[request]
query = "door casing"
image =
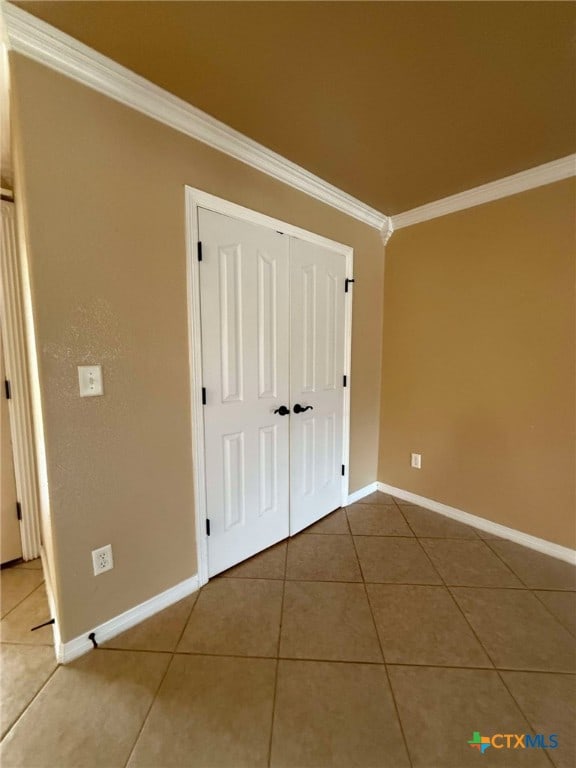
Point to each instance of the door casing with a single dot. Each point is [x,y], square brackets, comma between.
[195,199]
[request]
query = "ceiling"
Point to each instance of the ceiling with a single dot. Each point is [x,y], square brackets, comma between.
[396,103]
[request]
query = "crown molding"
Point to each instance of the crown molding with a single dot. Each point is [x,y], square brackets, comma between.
[509,185]
[55,49]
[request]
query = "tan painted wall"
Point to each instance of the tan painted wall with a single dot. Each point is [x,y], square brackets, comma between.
[479,361]
[104,190]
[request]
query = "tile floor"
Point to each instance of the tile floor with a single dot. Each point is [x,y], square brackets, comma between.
[384,635]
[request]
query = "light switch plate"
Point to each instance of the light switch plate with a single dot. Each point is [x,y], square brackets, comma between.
[416,460]
[90,380]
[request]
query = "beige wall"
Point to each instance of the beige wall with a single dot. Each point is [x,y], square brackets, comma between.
[104,192]
[479,361]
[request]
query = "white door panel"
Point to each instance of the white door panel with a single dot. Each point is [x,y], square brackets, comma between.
[316,375]
[245,353]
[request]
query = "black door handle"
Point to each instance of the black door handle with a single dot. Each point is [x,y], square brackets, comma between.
[300,408]
[283,411]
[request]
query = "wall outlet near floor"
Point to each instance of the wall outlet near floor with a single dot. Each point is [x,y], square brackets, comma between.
[102,559]
[416,460]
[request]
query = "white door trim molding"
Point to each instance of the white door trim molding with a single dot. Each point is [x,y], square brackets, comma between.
[66,652]
[539,176]
[525,539]
[194,199]
[49,46]
[12,319]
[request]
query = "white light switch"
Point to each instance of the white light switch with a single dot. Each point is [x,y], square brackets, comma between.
[90,380]
[416,461]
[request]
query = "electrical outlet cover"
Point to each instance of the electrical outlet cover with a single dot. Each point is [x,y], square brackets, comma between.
[102,559]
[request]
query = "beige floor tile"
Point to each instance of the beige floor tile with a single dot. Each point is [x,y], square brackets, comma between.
[31,565]
[158,633]
[516,629]
[424,522]
[469,563]
[335,522]
[441,708]
[236,617]
[88,714]
[339,715]
[322,558]
[15,585]
[562,605]
[377,520]
[24,670]
[549,703]
[536,570]
[269,564]
[328,621]
[378,497]
[33,610]
[394,560]
[210,711]
[423,625]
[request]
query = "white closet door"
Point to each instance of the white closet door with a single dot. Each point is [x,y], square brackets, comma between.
[244,279]
[316,375]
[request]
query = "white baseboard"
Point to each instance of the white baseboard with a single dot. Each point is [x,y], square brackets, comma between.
[532,542]
[66,652]
[361,493]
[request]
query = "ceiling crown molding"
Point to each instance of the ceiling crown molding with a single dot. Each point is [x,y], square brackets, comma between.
[510,185]
[55,49]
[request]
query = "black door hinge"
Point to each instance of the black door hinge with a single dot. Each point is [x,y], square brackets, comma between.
[199,251]
[343,470]
[207,526]
[344,381]
[8,389]
[19,510]
[347,283]
[203,395]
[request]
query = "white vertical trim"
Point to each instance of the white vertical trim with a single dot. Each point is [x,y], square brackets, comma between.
[194,199]
[348,299]
[525,539]
[195,358]
[15,352]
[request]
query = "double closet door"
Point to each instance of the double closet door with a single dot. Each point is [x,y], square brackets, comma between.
[273,355]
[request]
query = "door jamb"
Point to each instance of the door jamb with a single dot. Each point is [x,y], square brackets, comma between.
[195,199]
[14,332]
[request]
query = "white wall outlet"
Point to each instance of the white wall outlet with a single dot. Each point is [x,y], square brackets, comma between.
[90,380]
[102,559]
[416,460]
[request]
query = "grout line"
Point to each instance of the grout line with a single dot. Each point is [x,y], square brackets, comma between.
[379,639]
[32,700]
[277,659]
[147,715]
[533,590]
[488,655]
[322,660]
[35,589]
[534,730]
[185,626]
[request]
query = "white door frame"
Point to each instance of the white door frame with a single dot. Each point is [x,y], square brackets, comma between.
[194,199]
[13,295]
